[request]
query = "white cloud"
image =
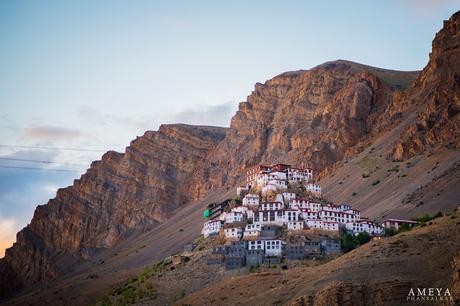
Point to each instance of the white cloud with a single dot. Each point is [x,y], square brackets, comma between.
[216,115]
[43,132]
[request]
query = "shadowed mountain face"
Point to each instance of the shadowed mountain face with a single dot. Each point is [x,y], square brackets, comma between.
[318,118]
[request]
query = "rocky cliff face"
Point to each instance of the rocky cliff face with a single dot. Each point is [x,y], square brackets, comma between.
[304,118]
[434,97]
[118,194]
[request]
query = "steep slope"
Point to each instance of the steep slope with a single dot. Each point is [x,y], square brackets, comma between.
[434,96]
[311,117]
[107,269]
[379,273]
[412,165]
[119,194]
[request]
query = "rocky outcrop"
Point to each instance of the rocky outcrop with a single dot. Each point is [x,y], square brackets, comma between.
[434,97]
[119,194]
[311,118]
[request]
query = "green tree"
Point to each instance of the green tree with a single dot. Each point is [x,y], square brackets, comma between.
[362,238]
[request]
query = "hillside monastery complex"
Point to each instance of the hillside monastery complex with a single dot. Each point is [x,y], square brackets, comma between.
[279,199]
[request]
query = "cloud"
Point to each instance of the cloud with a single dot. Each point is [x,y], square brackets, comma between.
[50,133]
[217,115]
[7,234]
[91,115]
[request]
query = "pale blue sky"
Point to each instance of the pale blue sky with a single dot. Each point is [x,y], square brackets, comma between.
[94,74]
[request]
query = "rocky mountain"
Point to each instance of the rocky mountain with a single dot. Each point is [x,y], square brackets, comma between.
[119,194]
[344,119]
[309,118]
[435,96]
[410,163]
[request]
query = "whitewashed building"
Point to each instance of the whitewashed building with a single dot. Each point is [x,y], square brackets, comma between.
[309,214]
[331,207]
[345,217]
[331,226]
[355,212]
[396,223]
[271,206]
[344,207]
[252,231]
[313,188]
[364,226]
[295,225]
[291,215]
[256,245]
[234,216]
[313,206]
[273,248]
[277,175]
[269,217]
[233,233]
[323,225]
[299,175]
[279,197]
[287,196]
[297,203]
[247,213]
[327,215]
[314,223]
[212,227]
[251,199]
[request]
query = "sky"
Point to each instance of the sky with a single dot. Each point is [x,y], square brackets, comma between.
[78,78]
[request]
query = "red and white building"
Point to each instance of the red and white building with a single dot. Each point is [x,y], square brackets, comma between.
[271,206]
[323,225]
[299,175]
[269,217]
[275,177]
[297,203]
[291,215]
[309,215]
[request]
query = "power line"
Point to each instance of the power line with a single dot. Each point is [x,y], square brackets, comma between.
[41,161]
[51,148]
[43,169]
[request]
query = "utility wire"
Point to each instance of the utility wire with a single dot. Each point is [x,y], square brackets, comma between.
[40,161]
[51,148]
[43,169]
